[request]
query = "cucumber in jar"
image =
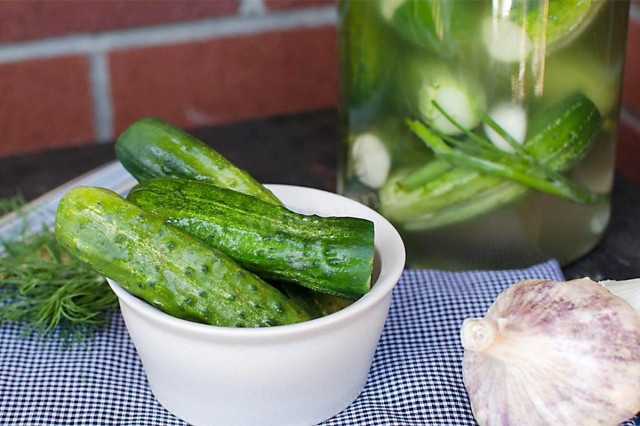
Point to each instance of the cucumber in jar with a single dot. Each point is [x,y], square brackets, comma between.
[365,55]
[445,27]
[556,22]
[558,138]
[541,26]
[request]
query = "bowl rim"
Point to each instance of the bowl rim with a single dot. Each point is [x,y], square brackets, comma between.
[391,268]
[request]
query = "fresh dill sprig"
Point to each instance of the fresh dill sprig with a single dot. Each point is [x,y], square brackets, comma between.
[45,290]
[481,155]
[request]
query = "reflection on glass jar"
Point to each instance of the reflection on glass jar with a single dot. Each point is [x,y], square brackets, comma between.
[484,130]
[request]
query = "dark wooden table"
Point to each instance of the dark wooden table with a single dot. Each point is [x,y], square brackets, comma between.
[301,150]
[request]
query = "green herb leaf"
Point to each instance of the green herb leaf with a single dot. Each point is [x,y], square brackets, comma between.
[46,291]
[527,174]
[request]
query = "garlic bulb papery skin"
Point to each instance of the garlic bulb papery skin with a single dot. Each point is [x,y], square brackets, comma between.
[553,353]
[629,290]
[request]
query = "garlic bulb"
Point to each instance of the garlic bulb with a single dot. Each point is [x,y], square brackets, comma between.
[553,353]
[629,290]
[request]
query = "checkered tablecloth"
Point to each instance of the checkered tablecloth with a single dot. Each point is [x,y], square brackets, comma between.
[415,379]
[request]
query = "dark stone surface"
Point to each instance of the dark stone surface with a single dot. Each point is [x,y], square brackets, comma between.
[298,149]
[617,256]
[301,150]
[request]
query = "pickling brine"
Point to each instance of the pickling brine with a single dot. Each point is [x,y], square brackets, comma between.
[484,130]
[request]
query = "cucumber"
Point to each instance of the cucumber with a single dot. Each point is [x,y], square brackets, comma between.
[563,133]
[165,266]
[447,28]
[331,255]
[316,304]
[557,23]
[364,54]
[559,137]
[152,148]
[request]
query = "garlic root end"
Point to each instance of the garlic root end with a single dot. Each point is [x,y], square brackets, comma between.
[478,334]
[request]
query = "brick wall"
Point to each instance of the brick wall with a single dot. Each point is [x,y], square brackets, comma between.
[76,71]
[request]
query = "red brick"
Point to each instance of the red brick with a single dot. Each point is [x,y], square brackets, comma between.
[631,83]
[289,4]
[23,20]
[226,79]
[628,153]
[46,103]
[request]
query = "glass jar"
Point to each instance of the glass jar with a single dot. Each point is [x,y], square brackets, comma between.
[484,130]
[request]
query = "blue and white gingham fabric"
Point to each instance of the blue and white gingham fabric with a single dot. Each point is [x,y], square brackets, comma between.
[415,379]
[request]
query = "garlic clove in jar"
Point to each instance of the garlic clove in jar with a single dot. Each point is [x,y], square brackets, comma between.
[553,353]
[371,160]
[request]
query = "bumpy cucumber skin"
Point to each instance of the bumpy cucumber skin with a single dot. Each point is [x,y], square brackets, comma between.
[562,135]
[165,266]
[316,304]
[330,255]
[152,148]
[574,120]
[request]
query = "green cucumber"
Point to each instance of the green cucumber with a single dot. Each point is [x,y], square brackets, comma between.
[553,24]
[165,266]
[316,304]
[559,137]
[331,255]
[446,27]
[558,22]
[364,54]
[563,133]
[152,148]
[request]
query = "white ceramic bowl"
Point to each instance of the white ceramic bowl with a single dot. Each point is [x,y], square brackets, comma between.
[299,374]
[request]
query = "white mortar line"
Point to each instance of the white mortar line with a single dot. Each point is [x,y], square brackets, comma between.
[168,34]
[101,96]
[628,118]
[634,12]
[252,7]
[253,19]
